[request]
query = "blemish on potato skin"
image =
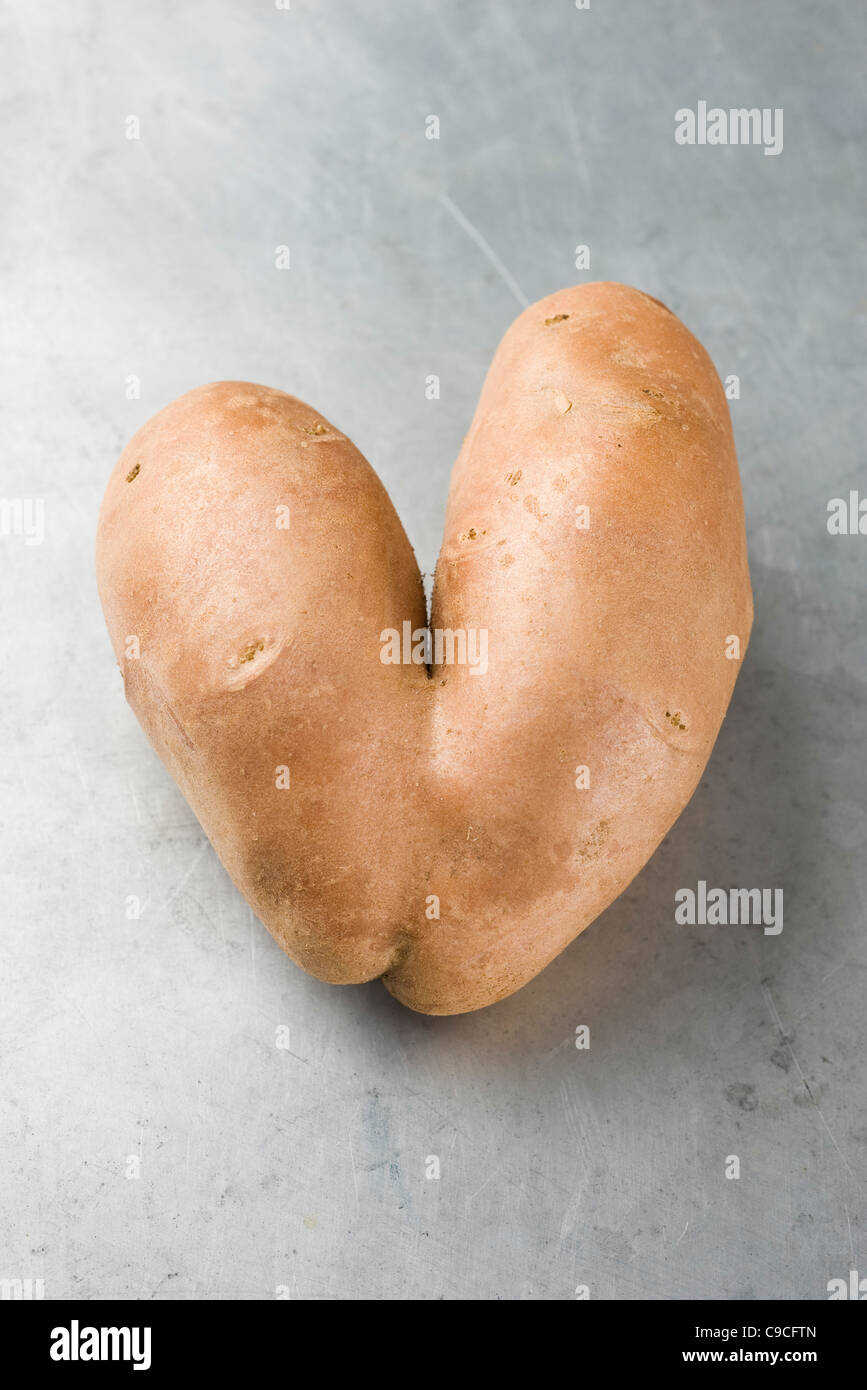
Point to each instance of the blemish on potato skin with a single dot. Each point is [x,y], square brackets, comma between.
[513,478]
[318,428]
[563,404]
[133,473]
[252,410]
[250,651]
[675,720]
[556,318]
[532,506]
[594,842]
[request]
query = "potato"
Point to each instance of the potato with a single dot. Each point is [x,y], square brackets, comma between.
[449,828]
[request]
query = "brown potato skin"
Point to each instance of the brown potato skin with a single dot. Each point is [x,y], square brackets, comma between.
[260,648]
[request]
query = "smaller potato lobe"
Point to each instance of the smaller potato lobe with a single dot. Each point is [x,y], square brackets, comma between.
[444,809]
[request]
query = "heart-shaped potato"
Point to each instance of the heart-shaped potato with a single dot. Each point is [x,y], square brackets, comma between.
[449,827]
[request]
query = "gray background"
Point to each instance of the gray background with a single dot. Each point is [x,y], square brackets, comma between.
[305,1168]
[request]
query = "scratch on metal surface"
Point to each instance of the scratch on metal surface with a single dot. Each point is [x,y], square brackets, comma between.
[475,235]
[131,790]
[170,899]
[473,1195]
[352,1161]
[784,1038]
[251,928]
[851,1243]
[570,1214]
[831,972]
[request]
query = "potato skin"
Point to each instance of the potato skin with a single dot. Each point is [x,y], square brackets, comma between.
[607,648]
[190,559]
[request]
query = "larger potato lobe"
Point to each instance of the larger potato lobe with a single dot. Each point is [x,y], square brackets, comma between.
[450,829]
